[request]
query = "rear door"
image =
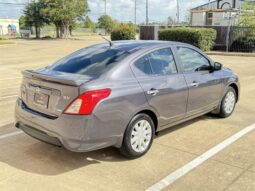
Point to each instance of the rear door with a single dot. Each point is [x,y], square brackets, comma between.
[165,88]
[204,85]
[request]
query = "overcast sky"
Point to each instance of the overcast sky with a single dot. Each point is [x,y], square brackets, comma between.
[122,10]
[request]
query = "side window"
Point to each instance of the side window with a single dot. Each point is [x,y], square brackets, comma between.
[159,62]
[162,62]
[192,60]
[143,64]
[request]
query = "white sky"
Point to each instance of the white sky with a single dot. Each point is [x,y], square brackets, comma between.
[122,10]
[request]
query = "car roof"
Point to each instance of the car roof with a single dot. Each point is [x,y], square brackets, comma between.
[135,45]
[142,42]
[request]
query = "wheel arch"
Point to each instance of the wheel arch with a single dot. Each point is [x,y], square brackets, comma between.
[236,88]
[152,115]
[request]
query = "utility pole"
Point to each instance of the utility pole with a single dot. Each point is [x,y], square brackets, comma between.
[178,12]
[105,4]
[147,13]
[135,13]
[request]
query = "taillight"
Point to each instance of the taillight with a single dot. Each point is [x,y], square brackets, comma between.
[85,103]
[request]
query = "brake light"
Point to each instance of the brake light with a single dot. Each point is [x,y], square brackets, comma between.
[86,102]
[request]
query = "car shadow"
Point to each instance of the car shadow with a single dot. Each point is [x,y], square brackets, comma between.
[44,159]
[208,116]
[27,154]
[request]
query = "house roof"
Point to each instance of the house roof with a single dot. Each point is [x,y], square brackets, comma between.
[213,10]
[225,4]
[206,5]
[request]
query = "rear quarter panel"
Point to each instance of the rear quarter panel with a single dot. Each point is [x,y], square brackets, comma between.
[112,115]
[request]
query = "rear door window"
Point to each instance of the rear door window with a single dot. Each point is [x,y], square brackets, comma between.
[159,62]
[143,65]
[162,62]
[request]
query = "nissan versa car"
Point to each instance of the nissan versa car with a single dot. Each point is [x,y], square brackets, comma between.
[120,94]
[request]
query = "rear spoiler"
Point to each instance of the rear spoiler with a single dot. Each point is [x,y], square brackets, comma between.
[57,77]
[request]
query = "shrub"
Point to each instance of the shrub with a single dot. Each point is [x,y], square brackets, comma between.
[123,32]
[203,38]
[244,44]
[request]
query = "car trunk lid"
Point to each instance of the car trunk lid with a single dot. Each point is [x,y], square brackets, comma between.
[50,92]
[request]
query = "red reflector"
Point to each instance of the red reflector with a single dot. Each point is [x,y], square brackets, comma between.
[85,103]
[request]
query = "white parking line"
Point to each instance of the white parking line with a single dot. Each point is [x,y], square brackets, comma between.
[10,78]
[5,97]
[199,160]
[10,134]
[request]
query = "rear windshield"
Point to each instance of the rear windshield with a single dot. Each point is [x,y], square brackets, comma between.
[90,61]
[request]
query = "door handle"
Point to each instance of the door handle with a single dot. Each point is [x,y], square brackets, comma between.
[194,84]
[153,92]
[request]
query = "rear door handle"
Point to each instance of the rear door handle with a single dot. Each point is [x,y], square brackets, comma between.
[153,92]
[194,84]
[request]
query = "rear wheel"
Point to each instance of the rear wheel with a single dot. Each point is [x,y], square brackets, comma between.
[228,103]
[138,136]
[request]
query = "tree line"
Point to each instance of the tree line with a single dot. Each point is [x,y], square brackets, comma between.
[62,13]
[65,15]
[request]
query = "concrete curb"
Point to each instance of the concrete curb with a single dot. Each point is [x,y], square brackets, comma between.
[231,54]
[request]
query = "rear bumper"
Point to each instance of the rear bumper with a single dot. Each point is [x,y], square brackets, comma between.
[75,133]
[37,134]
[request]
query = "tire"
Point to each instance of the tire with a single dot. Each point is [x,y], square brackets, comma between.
[138,136]
[229,98]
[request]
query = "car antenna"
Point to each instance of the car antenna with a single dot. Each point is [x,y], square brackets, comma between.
[109,41]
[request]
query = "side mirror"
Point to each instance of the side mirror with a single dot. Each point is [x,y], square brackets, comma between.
[217,66]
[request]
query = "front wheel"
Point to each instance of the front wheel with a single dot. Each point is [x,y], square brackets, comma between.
[228,103]
[138,136]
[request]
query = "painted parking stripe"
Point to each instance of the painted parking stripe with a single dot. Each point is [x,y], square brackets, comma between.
[10,134]
[199,160]
[5,97]
[10,78]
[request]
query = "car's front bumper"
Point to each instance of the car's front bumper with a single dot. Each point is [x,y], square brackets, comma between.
[75,133]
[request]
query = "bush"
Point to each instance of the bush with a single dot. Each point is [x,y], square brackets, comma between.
[123,32]
[203,38]
[244,44]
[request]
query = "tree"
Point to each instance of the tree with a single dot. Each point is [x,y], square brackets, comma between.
[22,21]
[34,16]
[107,23]
[170,21]
[64,13]
[88,23]
[247,17]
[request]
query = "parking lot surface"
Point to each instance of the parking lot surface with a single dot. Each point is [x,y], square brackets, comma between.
[27,164]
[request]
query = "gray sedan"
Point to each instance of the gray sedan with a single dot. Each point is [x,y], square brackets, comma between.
[120,94]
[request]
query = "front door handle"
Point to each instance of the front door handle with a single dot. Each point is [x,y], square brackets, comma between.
[153,92]
[194,84]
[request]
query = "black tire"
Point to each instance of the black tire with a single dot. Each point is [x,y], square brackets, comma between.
[126,148]
[223,113]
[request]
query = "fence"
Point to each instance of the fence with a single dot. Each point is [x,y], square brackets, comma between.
[227,37]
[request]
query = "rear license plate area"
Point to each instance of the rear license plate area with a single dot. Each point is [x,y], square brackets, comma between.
[41,99]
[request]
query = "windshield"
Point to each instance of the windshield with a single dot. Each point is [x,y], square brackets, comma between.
[90,61]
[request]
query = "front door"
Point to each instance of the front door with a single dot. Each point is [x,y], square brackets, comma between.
[165,88]
[204,85]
